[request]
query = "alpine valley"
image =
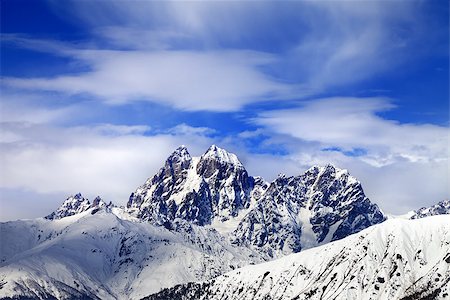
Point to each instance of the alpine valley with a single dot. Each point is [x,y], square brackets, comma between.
[203,228]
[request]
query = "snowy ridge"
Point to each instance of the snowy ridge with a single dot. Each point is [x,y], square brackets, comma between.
[441,208]
[398,259]
[108,256]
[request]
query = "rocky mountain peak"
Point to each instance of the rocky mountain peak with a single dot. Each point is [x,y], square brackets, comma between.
[328,174]
[76,204]
[71,206]
[323,204]
[181,153]
[99,203]
[441,208]
[179,160]
[327,169]
[222,156]
[215,185]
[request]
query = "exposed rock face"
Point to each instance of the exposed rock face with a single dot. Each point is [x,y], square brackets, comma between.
[441,208]
[294,213]
[285,216]
[215,185]
[71,206]
[227,180]
[99,203]
[77,204]
[154,200]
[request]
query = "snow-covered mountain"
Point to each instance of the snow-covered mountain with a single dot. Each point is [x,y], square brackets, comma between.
[197,218]
[398,259]
[441,208]
[278,218]
[107,254]
[197,189]
[295,213]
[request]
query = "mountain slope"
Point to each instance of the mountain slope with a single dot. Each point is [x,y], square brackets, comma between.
[398,259]
[108,255]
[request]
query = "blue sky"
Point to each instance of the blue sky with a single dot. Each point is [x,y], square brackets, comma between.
[101,92]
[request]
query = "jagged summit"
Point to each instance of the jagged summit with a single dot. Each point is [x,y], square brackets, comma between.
[221,155]
[197,189]
[287,215]
[98,202]
[329,171]
[181,154]
[76,204]
[327,168]
[292,213]
[71,206]
[441,208]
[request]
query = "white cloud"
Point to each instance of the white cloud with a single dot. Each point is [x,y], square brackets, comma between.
[190,56]
[25,107]
[188,80]
[196,56]
[350,123]
[106,160]
[403,167]
[184,129]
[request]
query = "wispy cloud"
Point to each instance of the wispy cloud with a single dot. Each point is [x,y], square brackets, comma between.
[401,166]
[185,129]
[352,123]
[355,41]
[106,159]
[210,56]
[187,80]
[23,107]
[221,56]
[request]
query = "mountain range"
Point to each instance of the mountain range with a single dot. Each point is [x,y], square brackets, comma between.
[274,218]
[201,217]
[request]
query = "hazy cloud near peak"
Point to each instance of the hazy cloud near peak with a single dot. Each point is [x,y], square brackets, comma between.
[51,163]
[106,160]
